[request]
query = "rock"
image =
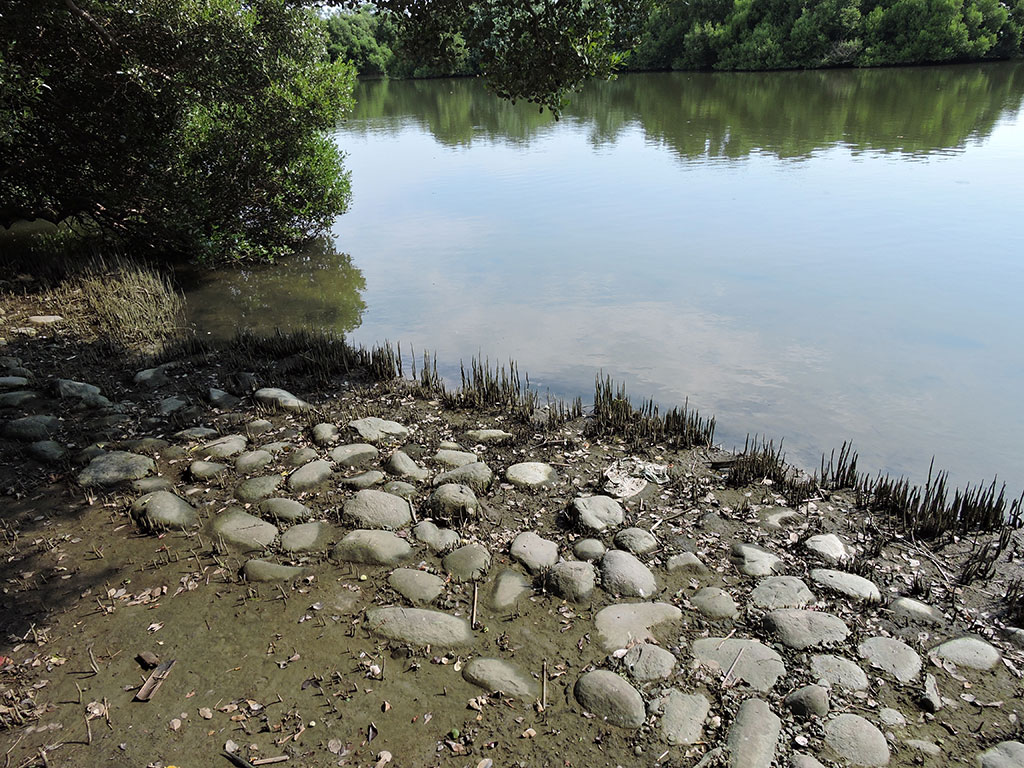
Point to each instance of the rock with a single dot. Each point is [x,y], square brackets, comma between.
[416,586]
[927,748]
[468,563]
[780,519]
[1005,754]
[829,547]
[149,484]
[402,466]
[437,539]
[892,656]
[288,510]
[477,476]
[682,717]
[848,584]
[971,652]
[171,405]
[688,564]
[489,436]
[32,429]
[453,502]
[931,697]
[256,488]
[76,389]
[800,629]
[611,698]
[620,624]
[376,509]
[753,560]
[495,675]
[917,611]
[374,430]
[224,447]
[45,319]
[48,451]
[856,741]
[809,701]
[253,461]
[280,398]
[325,434]
[363,481]
[636,540]
[399,488]
[196,433]
[839,672]
[646,662]
[622,574]
[306,537]
[804,761]
[206,470]
[753,736]
[152,377]
[750,661]
[18,398]
[218,398]
[261,570]
[372,548]
[13,382]
[354,455]
[589,550]
[573,580]
[257,427]
[777,592]
[238,527]
[715,603]
[536,553]
[454,459]
[597,513]
[161,510]
[115,467]
[419,626]
[302,456]
[891,718]
[509,588]
[531,475]
[310,475]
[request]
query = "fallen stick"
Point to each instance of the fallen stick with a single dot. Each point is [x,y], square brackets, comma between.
[152,685]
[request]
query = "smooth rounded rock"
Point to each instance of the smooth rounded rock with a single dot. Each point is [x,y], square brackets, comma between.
[477,476]
[971,652]
[206,470]
[453,502]
[537,554]
[438,539]
[916,611]
[646,661]
[624,623]
[31,429]
[252,461]
[589,550]
[416,586]
[399,488]
[531,475]
[573,580]
[753,736]
[509,588]
[800,629]
[715,603]
[275,397]
[809,701]
[162,510]
[891,655]
[238,527]
[376,430]
[48,451]
[753,560]
[682,717]
[401,465]
[376,509]
[307,537]
[496,675]
[1005,754]
[262,570]
[310,475]
[468,563]
[636,540]
[829,547]
[419,626]
[288,510]
[856,742]
[839,672]
[372,548]
[224,447]
[849,584]
[688,564]
[454,459]
[363,481]
[597,513]
[611,698]
[325,434]
[489,436]
[749,661]
[622,574]
[777,592]
[354,455]
[301,457]
[256,488]
[115,467]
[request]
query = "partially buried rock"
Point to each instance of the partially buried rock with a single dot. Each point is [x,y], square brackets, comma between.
[453,502]
[477,476]
[31,429]
[253,461]
[399,488]
[682,717]
[224,447]
[753,560]
[454,459]
[256,488]
[284,509]
[375,430]
[597,513]
[1005,754]
[280,398]
[646,662]
[206,470]
[589,550]
[856,741]
[636,540]
[573,580]
[800,629]
[306,537]
[238,527]
[376,509]
[162,510]
[401,465]
[372,548]
[419,626]
[849,584]
[624,623]
[489,436]
[623,574]
[611,698]
[416,586]
[363,480]
[509,588]
[777,592]
[310,475]
[892,656]
[261,570]
[839,672]
[325,434]
[715,603]
[355,455]
[971,652]
[687,564]
[809,701]
[753,736]
[468,563]
[916,611]
[495,675]
[437,539]
[48,451]
[115,467]
[749,661]
[531,474]
[830,547]
[536,553]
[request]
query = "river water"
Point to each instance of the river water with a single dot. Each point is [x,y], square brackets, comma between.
[815,256]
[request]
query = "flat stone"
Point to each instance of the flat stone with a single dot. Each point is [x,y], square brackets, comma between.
[597,513]
[809,701]
[750,661]
[931,698]
[262,570]
[13,382]
[804,761]
[589,550]
[856,742]
[839,672]
[257,427]
[509,588]
[688,564]
[682,717]
[363,481]
[253,461]
[76,389]
[325,434]
[170,405]
[477,476]
[45,319]
[375,430]
[891,655]
[236,526]
[18,398]
[372,548]
[401,465]
[915,610]
[453,502]
[753,736]
[779,519]
[536,553]
[302,456]
[454,459]
[196,433]
[573,580]
[971,652]
[926,748]
[715,603]
[620,624]
[161,510]
[1005,754]
[849,584]
[354,455]
[531,474]
[376,509]
[419,626]
[416,586]
[280,398]
[753,560]
[152,377]
[636,540]
[611,698]
[256,488]
[48,451]
[288,510]
[468,563]
[32,429]
[777,592]
[800,629]
[310,475]
[622,574]
[829,547]
[206,470]
[218,398]
[645,662]
[149,484]
[891,718]
[489,436]
[307,537]
[496,675]
[399,488]
[115,467]
[224,447]
[437,539]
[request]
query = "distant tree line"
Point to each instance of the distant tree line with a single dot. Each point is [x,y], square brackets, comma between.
[748,35]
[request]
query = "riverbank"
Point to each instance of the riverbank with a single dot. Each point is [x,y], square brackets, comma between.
[272,514]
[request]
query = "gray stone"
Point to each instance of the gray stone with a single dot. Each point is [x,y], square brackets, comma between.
[32,429]
[931,697]
[800,629]
[401,465]
[489,436]
[171,405]
[856,742]
[257,427]
[753,560]
[892,656]
[891,718]
[531,474]
[115,467]
[307,537]
[325,434]
[454,459]
[363,480]
[161,510]
[750,661]
[218,398]
[839,672]
[274,397]
[355,455]
[238,527]
[256,488]
[288,510]
[13,382]
[7,361]
[375,430]
[453,502]
[196,433]
[310,475]
[152,377]
[1005,754]
[48,451]
[509,588]
[477,476]
[829,547]
[253,461]
[75,389]
[45,319]
[715,603]
[302,456]
[636,540]
[261,570]
[376,509]
[688,564]
[150,484]
[495,675]
[646,662]
[753,736]
[622,574]
[611,698]
[589,549]
[573,580]
[224,447]
[597,513]
[917,611]
[849,584]
[372,548]
[623,623]
[927,748]
[809,701]
[682,717]
[536,553]
[971,652]
[206,470]
[416,586]
[777,592]
[437,539]
[804,761]
[779,519]
[399,488]
[419,626]
[18,398]
[468,563]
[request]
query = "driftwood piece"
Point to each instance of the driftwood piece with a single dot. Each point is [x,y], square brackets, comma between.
[156,679]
